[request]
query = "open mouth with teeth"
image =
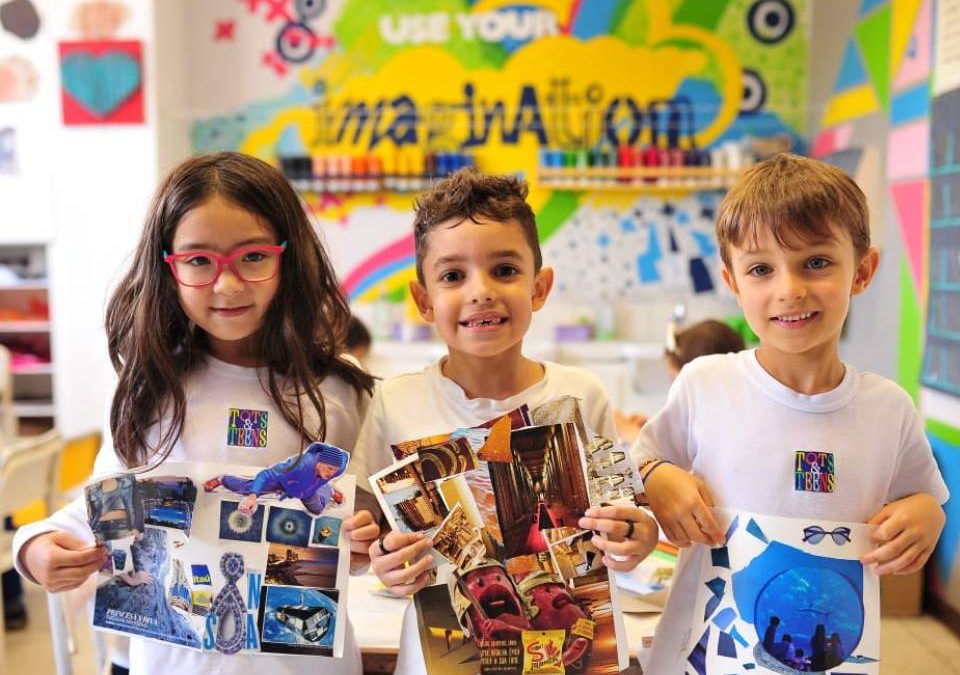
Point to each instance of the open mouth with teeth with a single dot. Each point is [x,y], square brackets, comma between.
[484,322]
[496,600]
[795,319]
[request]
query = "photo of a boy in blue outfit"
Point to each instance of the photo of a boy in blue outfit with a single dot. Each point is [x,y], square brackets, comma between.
[306,477]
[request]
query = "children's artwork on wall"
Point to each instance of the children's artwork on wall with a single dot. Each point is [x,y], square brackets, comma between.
[98,19]
[339,86]
[20,18]
[786,595]
[101,82]
[18,79]
[192,567]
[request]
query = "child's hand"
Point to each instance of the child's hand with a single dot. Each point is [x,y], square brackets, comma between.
[681,502]
[617,522]
[363,529]
[58,561]
[406,565]
[907,531]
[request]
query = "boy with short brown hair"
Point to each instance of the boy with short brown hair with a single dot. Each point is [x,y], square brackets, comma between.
[479,280]
[795,243]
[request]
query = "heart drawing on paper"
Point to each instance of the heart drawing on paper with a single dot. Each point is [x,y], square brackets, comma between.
[100,83]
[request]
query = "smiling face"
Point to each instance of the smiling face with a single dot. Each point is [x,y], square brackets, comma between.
[230,311]
[796,297]
[480,287]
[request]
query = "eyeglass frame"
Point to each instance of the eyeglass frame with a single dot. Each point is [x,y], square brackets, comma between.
[224,260]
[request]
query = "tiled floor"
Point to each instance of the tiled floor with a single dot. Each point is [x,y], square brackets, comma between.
[910,646]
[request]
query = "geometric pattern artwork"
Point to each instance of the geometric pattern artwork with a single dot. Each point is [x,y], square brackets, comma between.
[910,205]
[914,65]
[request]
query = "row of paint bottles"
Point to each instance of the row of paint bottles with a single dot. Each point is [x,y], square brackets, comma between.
[409,169]
[725,158]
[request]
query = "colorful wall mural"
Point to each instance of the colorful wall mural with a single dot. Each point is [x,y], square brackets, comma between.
[498,83]
[886,73]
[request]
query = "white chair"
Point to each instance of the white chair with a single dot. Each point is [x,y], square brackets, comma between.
[75,467]
[28,472]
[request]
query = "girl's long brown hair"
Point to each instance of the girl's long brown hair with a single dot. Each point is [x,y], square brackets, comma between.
[153,345]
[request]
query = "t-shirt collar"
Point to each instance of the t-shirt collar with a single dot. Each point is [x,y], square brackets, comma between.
[825,402]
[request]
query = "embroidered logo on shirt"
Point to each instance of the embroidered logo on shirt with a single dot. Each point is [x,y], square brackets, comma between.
[247,428]
[815,471]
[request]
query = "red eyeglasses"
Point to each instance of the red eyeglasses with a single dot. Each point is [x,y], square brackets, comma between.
[202,268]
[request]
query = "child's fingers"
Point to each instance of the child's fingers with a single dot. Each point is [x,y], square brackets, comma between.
[675,534]
[364,535]
[692,530]
[888,551]
[357,520]
[413,587]
[707,525]
[628,547]
[901,563]
[404,576]
[880,516]
[397,558]
[917,563]
[393,543]
[888,530]
[68,578]
[89,556]
[624,564]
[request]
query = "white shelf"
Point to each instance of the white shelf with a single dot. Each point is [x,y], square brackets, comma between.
[33,408]
[26,285]
[24,326]
[39,369]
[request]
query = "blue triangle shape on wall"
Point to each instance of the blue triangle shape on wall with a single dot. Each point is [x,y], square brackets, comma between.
[869,5]
[852,72]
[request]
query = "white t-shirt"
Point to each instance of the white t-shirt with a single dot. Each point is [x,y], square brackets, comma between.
[212,393]
[427,403]
[738,428]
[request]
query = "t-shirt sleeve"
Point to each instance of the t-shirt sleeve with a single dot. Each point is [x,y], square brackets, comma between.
[666,435]
[72,518]
[371,452]
[917,470]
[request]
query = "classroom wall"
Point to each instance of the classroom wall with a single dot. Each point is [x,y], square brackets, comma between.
[83,189]
[536,64]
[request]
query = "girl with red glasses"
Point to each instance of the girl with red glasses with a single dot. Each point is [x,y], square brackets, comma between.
[225,335]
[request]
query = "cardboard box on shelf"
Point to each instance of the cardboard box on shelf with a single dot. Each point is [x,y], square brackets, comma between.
[901,595]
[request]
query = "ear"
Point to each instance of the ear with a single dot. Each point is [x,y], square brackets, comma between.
[422,300]
[730,282]
[541,287]
[865,271]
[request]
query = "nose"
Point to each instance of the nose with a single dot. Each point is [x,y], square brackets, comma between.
[791,287]
[228,283]
[481,290]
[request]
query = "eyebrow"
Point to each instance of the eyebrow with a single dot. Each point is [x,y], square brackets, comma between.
[506,254]
[203,246]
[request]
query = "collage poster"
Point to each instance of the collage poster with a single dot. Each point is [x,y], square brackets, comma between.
[787,596]
[522,588]
[227,558]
